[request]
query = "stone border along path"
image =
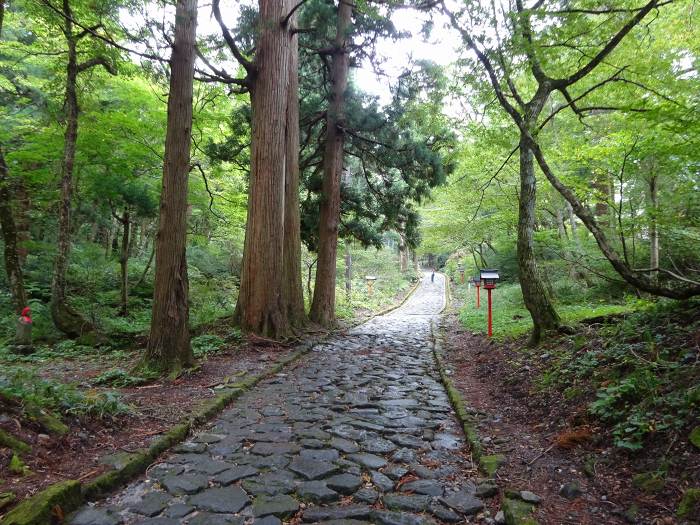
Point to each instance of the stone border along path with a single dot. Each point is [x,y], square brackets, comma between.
[359,431]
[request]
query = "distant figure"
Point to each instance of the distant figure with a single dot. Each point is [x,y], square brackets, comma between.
[432,276]
[23,336]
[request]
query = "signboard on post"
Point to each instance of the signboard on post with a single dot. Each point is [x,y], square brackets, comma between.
[369,279]
[489,277]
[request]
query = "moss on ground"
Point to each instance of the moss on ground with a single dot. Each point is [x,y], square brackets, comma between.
[517,512]
[689,507]
[11,442]
[490,464]
[458,404]
[6,498]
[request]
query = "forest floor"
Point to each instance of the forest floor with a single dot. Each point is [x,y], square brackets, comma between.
[154,408]
[550,440]
[150,407]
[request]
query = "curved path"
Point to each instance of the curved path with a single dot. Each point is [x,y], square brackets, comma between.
[360,431]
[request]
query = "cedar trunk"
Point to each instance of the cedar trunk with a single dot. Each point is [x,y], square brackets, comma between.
[403,254]
[654,228]
[124,263]
[260,307]
[169,347]
[9,236]
[544,316]
[64,317]
[292,290]
[348,268]
[323,305]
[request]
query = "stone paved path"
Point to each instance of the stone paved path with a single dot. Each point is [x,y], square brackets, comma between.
[360,431]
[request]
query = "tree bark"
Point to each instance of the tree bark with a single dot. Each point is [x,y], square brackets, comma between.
[403,254]
[260,307]
[169,348]
[292,289]
[13,268]
[64,317]
[544,316]
[22,220]
[323,305]
[654,227]
[348,268]
[133,237]
[124,263]
[561,228]
[109,231]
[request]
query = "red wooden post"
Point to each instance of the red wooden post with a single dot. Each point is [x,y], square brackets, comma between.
[478,295]
[488,289]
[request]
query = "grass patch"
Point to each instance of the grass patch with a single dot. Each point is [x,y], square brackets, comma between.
[640,374]
[511,318]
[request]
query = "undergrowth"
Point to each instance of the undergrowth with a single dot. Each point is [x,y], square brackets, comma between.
[27,386]
[510,317]
[639,374]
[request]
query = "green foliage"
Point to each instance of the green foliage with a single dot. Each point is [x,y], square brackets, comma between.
[27,385]
[643,382]
[120,378]
[511,318]
[205,345]
[390,283]
[17,466]
[690,504]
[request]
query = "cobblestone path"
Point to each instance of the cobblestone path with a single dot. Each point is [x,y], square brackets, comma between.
[360,431]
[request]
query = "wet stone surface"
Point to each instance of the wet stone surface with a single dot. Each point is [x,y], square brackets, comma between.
[360,431]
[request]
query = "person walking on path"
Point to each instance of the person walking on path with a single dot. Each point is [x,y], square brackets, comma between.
[432,276]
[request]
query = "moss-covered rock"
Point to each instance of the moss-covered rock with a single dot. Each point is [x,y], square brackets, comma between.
[517,512]
[11,442]
[45,419]
[490,464]
[46,506]
[689,507]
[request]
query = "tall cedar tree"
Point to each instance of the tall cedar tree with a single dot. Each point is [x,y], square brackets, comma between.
[270,300]
[169,348]
[323,305]
[292,291]
[375,163]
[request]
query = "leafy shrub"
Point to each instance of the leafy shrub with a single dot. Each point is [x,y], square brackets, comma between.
[640,370]
[119,378]
[64,398]
[207,344]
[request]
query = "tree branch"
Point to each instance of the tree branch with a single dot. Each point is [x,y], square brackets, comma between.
[247,64]
[97,61]
[610,46]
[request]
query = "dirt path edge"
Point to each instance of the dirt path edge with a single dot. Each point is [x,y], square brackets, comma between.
[514,511]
